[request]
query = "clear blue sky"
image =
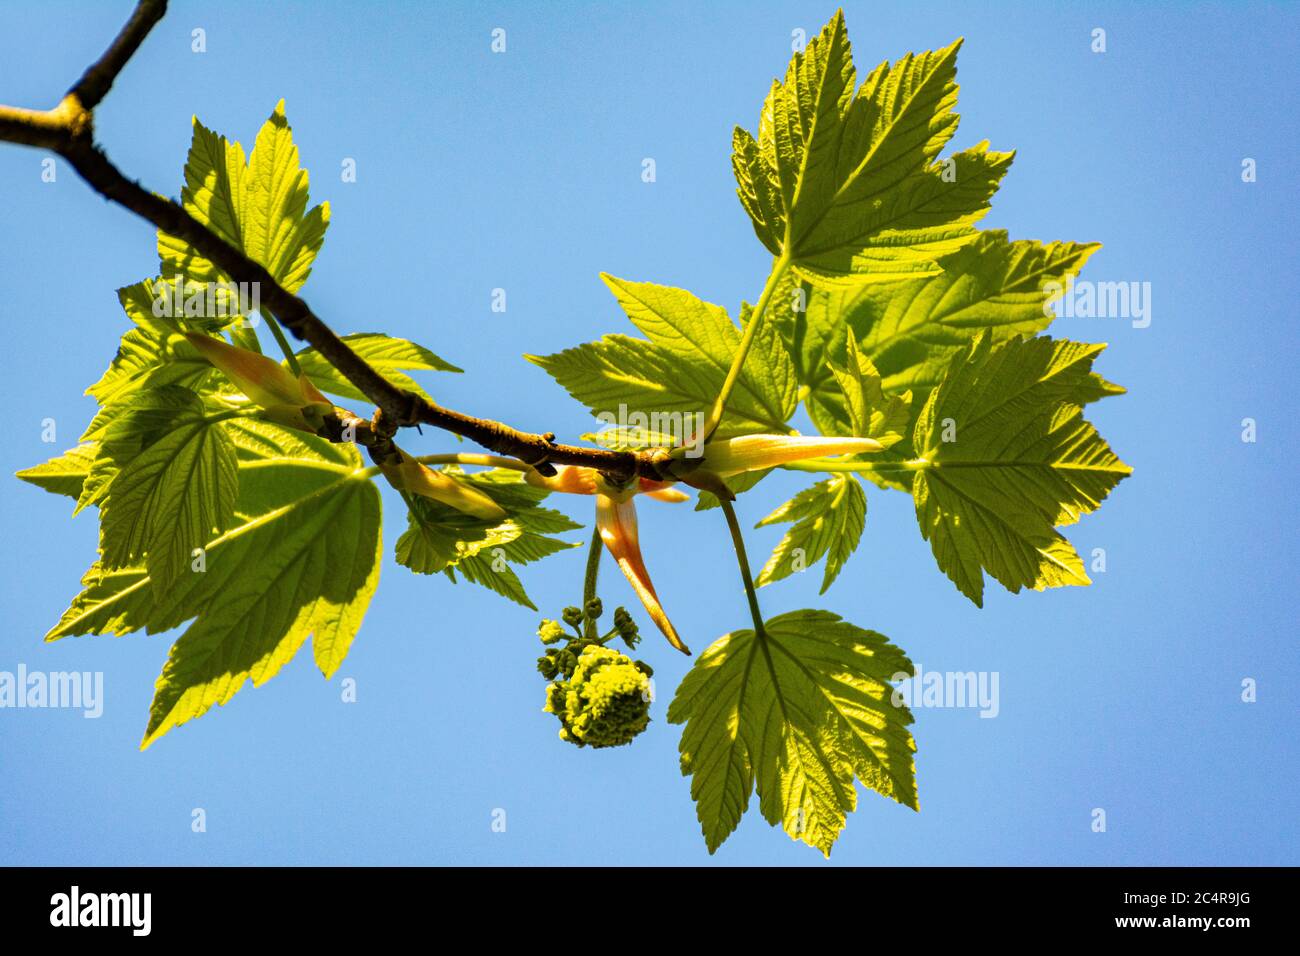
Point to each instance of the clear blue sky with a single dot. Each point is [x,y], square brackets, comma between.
[522,171]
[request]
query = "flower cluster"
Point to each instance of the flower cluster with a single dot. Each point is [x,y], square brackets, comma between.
[600,695]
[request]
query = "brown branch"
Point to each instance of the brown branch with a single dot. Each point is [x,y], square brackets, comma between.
[44,129]
[343,426]
[98,79]
[68,130]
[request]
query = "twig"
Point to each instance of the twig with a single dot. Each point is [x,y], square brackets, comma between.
[98,79]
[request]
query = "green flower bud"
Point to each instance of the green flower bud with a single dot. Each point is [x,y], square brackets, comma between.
[594,609]
[567,661]
[604,703]
[554,698]
[550,632]
[572,616]
[547,667]
[626,627]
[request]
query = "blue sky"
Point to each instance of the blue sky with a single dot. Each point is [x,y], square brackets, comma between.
[522,171]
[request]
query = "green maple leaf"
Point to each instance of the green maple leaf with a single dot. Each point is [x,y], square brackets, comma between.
[858,405]
[1005,456]
[65,474]
[258,206]
[172,298]
[302,561]
[828,521]
[172,496]
[490,567]
[911,329]
[440,538]
[260,444]
[147,359]
[796,713]
[389,356]
[625,437]
[151,356]
[128,427]
[213,193]
[844,183]
[679,368]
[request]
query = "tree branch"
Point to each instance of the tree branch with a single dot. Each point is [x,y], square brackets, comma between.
[98,79]
[68,130]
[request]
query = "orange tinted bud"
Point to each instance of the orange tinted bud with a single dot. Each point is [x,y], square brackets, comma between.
[287,400]
[569,479]
[264,380]
[661,490]
[418,479]
[580,480]
[616,522]
[752,452]
[311,392]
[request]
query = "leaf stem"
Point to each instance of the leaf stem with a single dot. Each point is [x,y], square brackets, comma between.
[738,542]
[594,553]
[281,341]
[751,329]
